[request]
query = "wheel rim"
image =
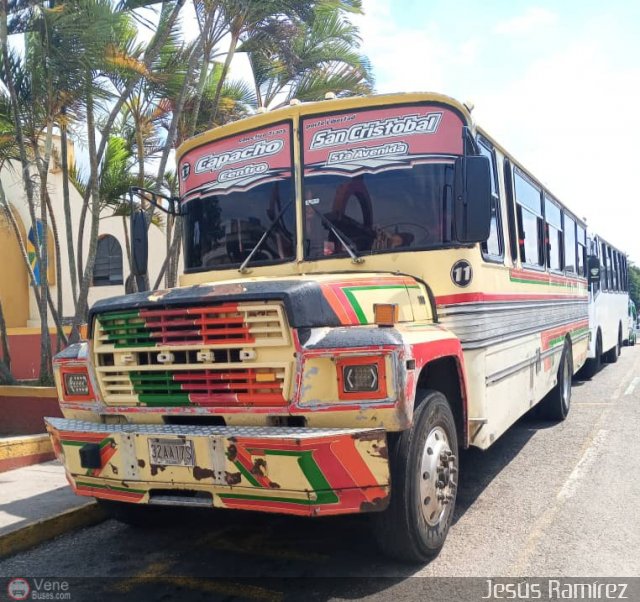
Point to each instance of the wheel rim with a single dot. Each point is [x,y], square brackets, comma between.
[438,476]
[566,385]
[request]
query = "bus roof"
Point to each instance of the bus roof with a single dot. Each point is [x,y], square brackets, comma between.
[322,106]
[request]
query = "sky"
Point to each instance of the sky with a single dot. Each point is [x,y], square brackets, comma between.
[555,82]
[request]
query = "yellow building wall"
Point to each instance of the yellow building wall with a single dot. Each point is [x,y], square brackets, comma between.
[14,284]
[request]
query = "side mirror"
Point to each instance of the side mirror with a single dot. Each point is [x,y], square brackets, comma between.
[139,243]
[472,199]
[593,269]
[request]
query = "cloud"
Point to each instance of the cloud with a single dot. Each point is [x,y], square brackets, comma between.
[561,104]
[411,58]
[532,20]
[564,117]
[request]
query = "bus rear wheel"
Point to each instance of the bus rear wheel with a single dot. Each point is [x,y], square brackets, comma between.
[424,481]
[593,365]
[611,357]
[555,406]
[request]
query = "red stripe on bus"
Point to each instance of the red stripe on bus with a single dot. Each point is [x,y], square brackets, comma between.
[483,297]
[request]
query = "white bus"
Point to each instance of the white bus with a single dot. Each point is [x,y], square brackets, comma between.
[608,305]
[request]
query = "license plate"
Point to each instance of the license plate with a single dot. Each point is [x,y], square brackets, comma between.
[171,452]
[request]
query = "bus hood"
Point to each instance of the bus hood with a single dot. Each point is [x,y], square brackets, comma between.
[310,301]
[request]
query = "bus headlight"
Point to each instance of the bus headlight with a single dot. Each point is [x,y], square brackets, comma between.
[361,377]
[357,379]
[76,384]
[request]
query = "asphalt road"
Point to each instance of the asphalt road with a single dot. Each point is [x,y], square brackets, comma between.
[546,500]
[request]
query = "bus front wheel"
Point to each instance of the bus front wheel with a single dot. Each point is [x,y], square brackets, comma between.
[424,481]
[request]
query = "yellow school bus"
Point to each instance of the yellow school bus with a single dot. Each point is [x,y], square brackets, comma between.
[370,284]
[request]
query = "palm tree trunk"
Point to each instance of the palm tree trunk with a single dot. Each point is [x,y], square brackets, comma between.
[67,212]
[46,374]
[61,339]
[204,70]
[141,156]
[235,36]
[5,362]
[174,257]
[87,277]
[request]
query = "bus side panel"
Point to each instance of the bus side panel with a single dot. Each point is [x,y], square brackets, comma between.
[517,377]
[606,312]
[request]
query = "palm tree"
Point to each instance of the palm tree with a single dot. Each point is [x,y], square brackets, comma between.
[305,60]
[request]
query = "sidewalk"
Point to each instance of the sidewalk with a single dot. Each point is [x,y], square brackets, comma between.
[37,504]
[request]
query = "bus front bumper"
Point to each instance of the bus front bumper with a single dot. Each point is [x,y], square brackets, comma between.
[287,470]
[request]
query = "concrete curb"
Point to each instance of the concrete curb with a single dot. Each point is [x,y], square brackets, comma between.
[25,450]
[35,533]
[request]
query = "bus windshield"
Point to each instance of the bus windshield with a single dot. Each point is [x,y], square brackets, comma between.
[234,190]
[221,230]
[394,210]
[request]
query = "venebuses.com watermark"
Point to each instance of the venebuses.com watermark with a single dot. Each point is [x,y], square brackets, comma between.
[38,589]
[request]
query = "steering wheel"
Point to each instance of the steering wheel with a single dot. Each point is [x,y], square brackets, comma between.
[428,235]
[360,232]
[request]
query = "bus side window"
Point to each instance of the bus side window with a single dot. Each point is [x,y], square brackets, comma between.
[605,271]
[511,218]
[594,249]
[553,234]
[569,244]
[493,248]
[582,251]
[610,271]
[530,222]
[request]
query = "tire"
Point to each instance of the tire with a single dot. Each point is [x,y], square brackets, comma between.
[424,480]
[556,404]
[136,515]
[592,365]
[611,357]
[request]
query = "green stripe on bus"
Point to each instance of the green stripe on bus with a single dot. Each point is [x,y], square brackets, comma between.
[110,487]
[164,400]
[124,315]
[312,472]
[349,293]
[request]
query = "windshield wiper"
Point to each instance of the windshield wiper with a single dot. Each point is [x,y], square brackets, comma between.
[243,267]
[341,236]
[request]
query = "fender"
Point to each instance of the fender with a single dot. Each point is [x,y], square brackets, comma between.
[430,351]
